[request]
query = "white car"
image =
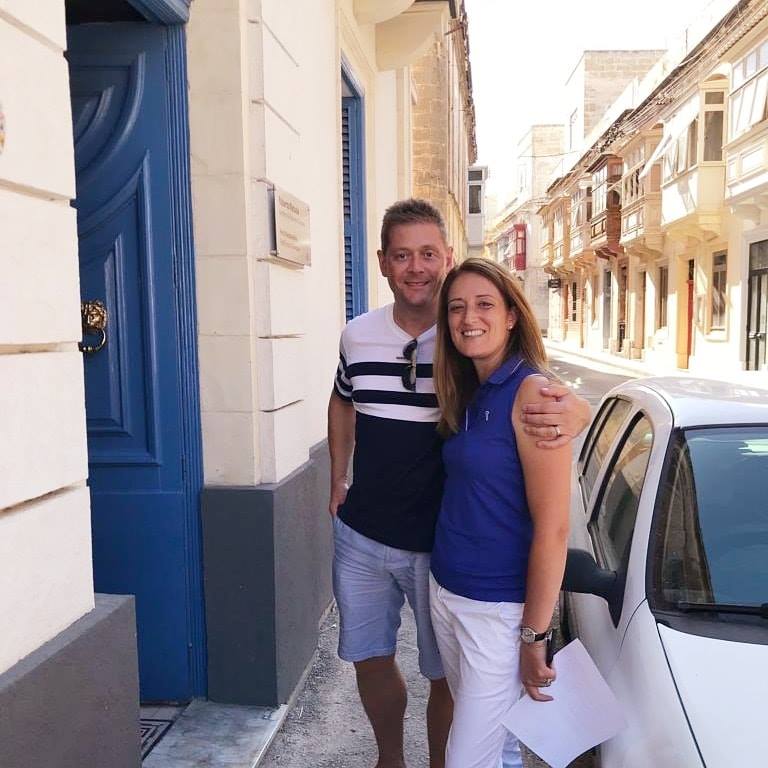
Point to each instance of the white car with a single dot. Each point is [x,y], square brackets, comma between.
[667,576]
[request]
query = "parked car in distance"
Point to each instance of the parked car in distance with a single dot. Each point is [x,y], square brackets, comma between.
[667,573]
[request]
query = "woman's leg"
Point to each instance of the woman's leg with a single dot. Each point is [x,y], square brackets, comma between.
[486,638]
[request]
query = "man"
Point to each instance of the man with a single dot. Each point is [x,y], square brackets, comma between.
[383,405]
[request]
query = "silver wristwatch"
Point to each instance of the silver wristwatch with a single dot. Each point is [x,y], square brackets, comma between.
[528,635]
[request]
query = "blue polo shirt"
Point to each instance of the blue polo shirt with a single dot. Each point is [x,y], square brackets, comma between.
[484,528]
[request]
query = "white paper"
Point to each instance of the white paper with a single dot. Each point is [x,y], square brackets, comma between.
[584,712]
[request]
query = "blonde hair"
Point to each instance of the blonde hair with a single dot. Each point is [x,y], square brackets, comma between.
[455,376]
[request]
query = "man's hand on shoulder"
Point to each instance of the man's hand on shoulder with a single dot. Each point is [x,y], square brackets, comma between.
[557,418]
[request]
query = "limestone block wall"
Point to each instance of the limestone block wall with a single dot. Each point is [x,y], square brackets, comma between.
[45,543]
[441,154]
[265,103]
[606,74]
[430,133]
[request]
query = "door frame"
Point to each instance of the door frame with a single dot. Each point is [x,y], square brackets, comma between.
[358,180]
[173,14]
[163,11]
[748,238]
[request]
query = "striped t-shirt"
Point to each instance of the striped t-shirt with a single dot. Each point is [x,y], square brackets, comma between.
[397,466]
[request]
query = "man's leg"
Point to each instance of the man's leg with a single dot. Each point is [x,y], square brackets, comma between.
[439,716]
[382,691]
[369,602]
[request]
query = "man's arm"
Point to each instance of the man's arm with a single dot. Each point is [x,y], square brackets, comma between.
[556,422]
[341,441]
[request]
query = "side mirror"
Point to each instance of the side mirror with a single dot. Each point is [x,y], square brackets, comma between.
[582,574]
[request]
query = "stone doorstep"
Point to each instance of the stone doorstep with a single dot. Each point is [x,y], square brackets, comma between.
[217,736]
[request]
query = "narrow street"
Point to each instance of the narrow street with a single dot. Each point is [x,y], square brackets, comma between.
[327,727]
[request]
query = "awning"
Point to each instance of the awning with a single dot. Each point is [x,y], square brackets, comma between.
[674,127]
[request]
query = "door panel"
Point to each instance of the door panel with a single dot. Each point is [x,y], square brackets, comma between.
[757,307]
[119,83]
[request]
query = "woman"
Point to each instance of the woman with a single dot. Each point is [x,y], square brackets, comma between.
[501,539]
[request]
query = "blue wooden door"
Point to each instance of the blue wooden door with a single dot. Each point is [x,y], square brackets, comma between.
[119,83]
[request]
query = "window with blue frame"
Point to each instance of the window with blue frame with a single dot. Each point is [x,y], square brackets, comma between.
[353,178]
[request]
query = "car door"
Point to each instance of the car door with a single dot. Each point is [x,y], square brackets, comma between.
[614,499]
[594,453]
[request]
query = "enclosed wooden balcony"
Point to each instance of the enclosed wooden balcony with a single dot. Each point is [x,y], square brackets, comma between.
[746,178]
[641,233]
[605,225]
[693,169]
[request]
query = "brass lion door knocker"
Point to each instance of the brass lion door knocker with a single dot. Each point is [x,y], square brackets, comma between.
[94,319]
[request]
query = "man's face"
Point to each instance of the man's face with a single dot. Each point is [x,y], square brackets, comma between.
[416,263]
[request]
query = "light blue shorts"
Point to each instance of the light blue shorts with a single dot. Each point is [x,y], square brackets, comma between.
[370,583]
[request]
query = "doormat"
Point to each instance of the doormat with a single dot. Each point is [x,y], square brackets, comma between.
[152,730]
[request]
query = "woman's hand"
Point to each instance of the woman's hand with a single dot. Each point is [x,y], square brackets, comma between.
[558,419]
[534,671]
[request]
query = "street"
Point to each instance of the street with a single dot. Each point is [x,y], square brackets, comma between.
[327,727]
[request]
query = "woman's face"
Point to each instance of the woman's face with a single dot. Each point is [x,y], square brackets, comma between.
[479,321]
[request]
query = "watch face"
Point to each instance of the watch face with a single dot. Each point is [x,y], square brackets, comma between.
[527,635]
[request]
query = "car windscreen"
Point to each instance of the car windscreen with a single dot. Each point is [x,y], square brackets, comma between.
[712,541]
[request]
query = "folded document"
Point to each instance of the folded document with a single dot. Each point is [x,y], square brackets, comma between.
[584,712]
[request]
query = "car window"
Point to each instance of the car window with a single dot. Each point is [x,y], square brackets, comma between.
[614,520]
[714,534]
[603,438]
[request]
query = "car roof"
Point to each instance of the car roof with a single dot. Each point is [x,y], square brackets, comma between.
[699,402]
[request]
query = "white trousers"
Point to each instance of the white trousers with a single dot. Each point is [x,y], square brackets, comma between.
[480,649]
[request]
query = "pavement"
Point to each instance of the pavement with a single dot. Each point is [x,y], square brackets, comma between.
[324,726]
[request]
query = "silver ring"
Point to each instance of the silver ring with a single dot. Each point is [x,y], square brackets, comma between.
[557,430]
[546,683]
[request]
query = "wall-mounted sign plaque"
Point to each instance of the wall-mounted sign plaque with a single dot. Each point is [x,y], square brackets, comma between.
[291,236]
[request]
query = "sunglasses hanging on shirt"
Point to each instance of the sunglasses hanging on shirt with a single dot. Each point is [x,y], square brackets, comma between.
[409,372]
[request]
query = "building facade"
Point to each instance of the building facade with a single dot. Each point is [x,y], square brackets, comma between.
[513,238]
[169,343]
[675,219]
[444,148]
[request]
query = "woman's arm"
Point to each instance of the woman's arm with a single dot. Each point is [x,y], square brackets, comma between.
[547,476]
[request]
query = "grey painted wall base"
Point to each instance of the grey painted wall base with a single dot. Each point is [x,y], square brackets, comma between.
[74,702]
[267,570]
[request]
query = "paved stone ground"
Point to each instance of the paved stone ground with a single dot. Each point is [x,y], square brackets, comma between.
[327,727]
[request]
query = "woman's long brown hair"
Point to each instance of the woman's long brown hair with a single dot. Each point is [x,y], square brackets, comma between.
[454,374]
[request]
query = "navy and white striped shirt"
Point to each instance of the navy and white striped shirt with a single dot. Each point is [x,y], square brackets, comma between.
[397,466]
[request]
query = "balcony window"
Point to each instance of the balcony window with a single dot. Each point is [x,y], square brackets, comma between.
[632,184]
[749,89]
[474,198]
[713,136]
[681,154]
[558,225]
[581,208]
[662,297]
[719,265]
[599,191]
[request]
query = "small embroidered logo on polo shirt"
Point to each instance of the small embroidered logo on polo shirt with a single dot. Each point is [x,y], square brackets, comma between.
[487,414]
